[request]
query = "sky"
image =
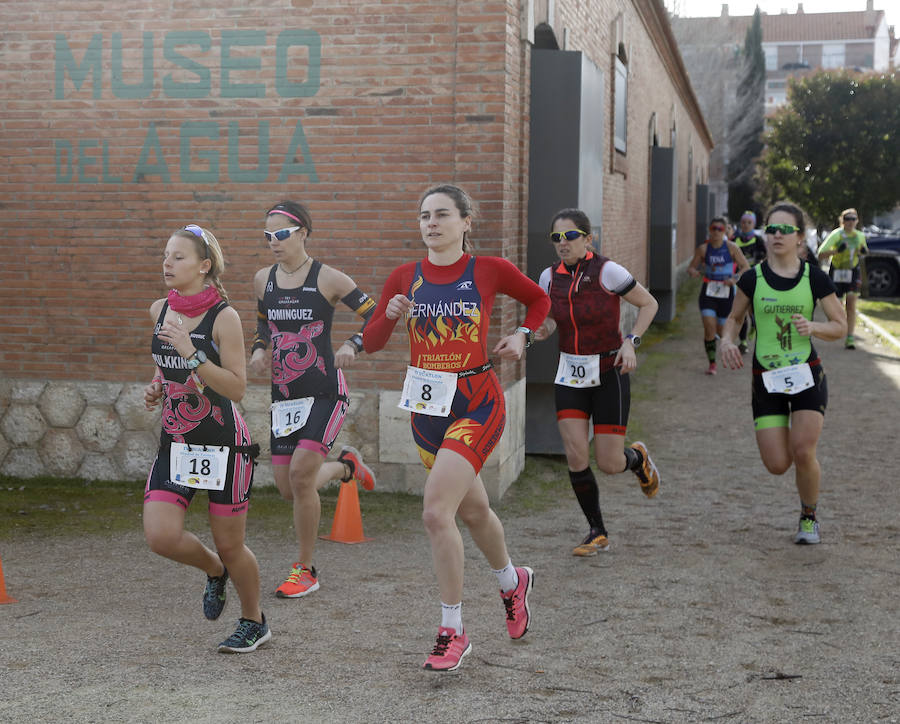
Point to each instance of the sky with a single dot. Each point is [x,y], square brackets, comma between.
[712,8]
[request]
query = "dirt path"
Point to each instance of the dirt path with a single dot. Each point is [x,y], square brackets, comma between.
[703,610]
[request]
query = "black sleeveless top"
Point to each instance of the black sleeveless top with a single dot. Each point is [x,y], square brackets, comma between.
[193,412]
[300,323]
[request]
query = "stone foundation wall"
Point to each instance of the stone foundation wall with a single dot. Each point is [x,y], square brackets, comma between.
[101,431]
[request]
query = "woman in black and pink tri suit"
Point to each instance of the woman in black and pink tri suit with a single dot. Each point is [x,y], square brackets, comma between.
[296,299]
[455,400]
[198,348]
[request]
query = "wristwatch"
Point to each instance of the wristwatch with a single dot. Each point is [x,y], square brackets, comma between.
[529,335]
[196,359]
[635,340]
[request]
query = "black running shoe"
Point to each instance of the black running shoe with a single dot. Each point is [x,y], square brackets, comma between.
[214,596]
[248,636]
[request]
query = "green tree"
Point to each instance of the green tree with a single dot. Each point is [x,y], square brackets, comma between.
[836,144]
[746,123]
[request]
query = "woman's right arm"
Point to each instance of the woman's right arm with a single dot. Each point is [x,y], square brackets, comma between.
[263,334]
[154,391]
[692,269]
[391,304]
[728,351]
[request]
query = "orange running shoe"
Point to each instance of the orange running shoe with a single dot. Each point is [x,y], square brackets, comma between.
[300,582]
[593,544]
[647,474]
[359,471]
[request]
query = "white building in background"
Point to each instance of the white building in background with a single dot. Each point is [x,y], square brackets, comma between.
[794,44]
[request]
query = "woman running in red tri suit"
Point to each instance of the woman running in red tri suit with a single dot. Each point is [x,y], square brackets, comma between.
[456,401]
[198,348]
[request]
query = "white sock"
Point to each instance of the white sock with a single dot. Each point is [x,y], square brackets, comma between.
[451,616]
[507,577]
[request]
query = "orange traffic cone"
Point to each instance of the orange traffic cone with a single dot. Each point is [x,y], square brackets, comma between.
[3,597]
[347,526]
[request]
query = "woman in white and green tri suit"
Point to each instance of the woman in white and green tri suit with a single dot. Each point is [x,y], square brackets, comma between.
[844,246]
[790,393]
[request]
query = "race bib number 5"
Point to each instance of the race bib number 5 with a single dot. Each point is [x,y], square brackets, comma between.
[290,415]
[428,392]
[198,466]
[789,380]
[578,370]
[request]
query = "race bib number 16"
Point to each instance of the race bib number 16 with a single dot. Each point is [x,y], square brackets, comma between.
[290,415]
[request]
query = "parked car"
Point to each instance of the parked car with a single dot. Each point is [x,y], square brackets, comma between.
[883,265]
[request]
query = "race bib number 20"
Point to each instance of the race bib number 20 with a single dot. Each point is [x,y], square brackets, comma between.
[578,370]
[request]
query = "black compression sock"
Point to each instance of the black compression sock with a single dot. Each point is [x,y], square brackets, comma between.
[588,494]
[633,459]
[710,345]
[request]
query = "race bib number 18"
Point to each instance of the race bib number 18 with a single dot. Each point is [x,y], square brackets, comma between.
[196,467]
[428,392]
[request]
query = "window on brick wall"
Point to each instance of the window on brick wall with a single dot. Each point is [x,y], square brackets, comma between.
[620,93]
[690,175]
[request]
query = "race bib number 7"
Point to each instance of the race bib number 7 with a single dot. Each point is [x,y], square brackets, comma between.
[718,290]
[844,276]
[428,392]
[198,466]
[789,380]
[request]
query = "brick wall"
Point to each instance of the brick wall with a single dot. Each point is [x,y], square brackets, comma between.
[353,108]
[124,120]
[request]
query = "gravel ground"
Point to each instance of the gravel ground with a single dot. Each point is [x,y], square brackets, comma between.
[703,609]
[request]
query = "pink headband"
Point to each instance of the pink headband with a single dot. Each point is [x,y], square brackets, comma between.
[290,216]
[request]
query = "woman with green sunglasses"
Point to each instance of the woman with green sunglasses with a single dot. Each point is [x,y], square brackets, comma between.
[790,393]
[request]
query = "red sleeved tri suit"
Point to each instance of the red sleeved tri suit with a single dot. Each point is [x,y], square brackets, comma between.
[448,330]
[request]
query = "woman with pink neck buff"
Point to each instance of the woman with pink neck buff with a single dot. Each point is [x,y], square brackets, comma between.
[198,348]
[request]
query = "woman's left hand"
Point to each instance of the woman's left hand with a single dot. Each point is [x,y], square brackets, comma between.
[345,355]
[626,358]
[178,337]
[802,324]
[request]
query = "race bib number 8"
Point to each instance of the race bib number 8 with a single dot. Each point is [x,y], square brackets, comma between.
[290,415]
[717,290]
[196,467]
[428,392]
[578,370]
[844,276]
[789,380]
